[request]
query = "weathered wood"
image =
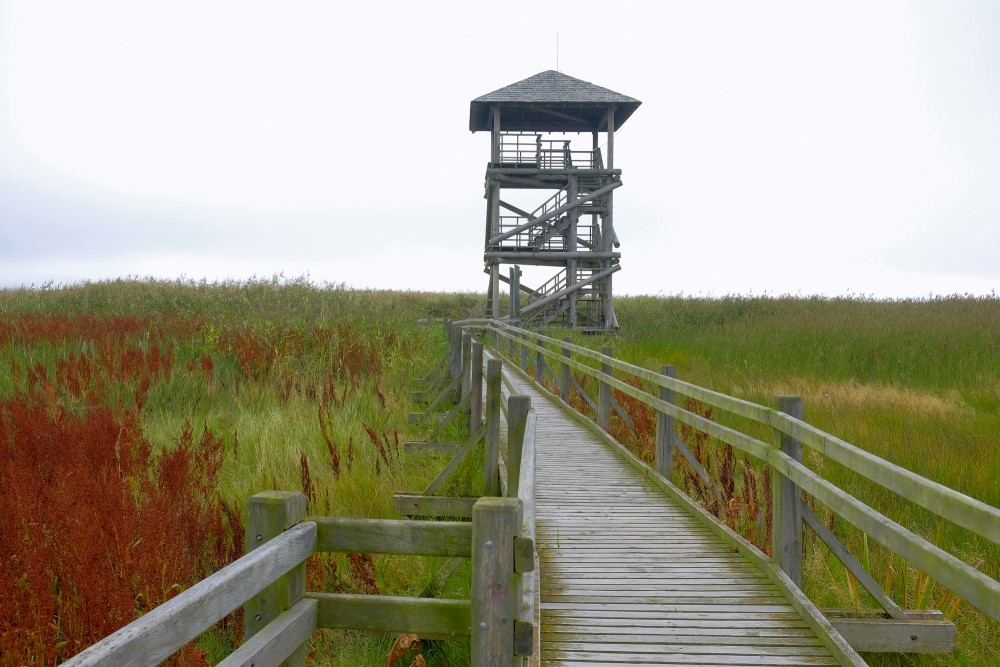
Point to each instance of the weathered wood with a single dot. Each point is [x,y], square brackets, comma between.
[787,517]
[604,393]
[436,483]
[391,536]
[466,362]
[435,447]
[554,213]
[450,416]
[445,395]
[970,513]
[664,453]
[852,564]
[165,629]
[427,617]
[517,417]
[919,631]
[491,465]
[495,594]
[278,640]
[565,374]
[268,515]
[419,505]
[476,382]
[539,365]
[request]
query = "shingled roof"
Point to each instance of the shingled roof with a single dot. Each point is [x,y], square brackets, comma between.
[551,102]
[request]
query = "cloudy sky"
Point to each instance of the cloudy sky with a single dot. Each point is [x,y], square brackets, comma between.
[781,147]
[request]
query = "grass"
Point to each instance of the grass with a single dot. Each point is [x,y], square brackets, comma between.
[916,382]
[298,388]
[289,375]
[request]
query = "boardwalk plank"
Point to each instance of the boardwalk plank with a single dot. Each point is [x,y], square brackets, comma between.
[628,577]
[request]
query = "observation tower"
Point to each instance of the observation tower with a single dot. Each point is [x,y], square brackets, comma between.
[536,155]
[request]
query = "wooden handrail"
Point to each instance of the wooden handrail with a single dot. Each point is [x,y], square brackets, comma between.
[976,516]
[155,636]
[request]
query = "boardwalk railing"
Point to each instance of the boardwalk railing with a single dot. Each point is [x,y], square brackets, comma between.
[559,359]
[500,618]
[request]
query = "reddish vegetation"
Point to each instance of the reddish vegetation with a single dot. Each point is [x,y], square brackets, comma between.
[97,527]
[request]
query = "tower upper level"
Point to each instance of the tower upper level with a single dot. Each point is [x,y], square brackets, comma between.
[551,102]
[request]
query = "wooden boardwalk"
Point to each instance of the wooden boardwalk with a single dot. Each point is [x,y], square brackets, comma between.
[629,577]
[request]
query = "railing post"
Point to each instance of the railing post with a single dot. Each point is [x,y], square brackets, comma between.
[495,595]
[665,427]
[491,466]
[455,367]
[517,418]
[539,363]
[476,387]
[786,542]
[268,515]
[604,395]
[564,377]
[524,351]
[466,362]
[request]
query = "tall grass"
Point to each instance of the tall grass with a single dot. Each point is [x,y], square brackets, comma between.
[163,394]
[916,382]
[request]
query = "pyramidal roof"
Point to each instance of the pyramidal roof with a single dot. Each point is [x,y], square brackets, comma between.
[551,102]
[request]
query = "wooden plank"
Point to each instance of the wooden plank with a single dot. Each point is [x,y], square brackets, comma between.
[156,635]
[428,617]
[852,564]
[278,640]
[438,481]
[417,505]
[890,635]
[435,447]
[390,536]
[491,473]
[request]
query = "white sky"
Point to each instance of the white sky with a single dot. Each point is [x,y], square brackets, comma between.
[781,147]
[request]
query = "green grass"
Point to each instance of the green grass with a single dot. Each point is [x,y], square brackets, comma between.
[916,382]
[274,347]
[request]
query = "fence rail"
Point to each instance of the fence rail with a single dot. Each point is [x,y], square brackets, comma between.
[979,518]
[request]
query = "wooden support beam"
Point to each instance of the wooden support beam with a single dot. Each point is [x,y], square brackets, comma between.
[436,483]
[392,536]
[495,593]
[567,290]
[435,447]
[419,505]
[269,514]
[514,209]
[565,376]
[664,457]
[590,196]
[429,618]
[852,564]
[476,402]
[920,631]
[491,465]
[787,534]
[604,394]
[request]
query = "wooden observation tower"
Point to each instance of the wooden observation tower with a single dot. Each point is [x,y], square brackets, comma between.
[572,230]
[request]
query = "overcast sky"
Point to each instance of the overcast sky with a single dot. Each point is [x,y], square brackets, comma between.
[781,147]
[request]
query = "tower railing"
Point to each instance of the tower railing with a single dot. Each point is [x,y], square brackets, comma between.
[530,150]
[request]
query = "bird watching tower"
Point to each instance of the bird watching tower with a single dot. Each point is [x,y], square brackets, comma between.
[537,155]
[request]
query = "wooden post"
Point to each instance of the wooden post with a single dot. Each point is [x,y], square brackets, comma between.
[268,515]
[495,595]
[604,395]
[787,518]
[539,363]
[665,428]
[564,378]
[466,362]
[524,351]
[517,418]
[476,387]
[491,466]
